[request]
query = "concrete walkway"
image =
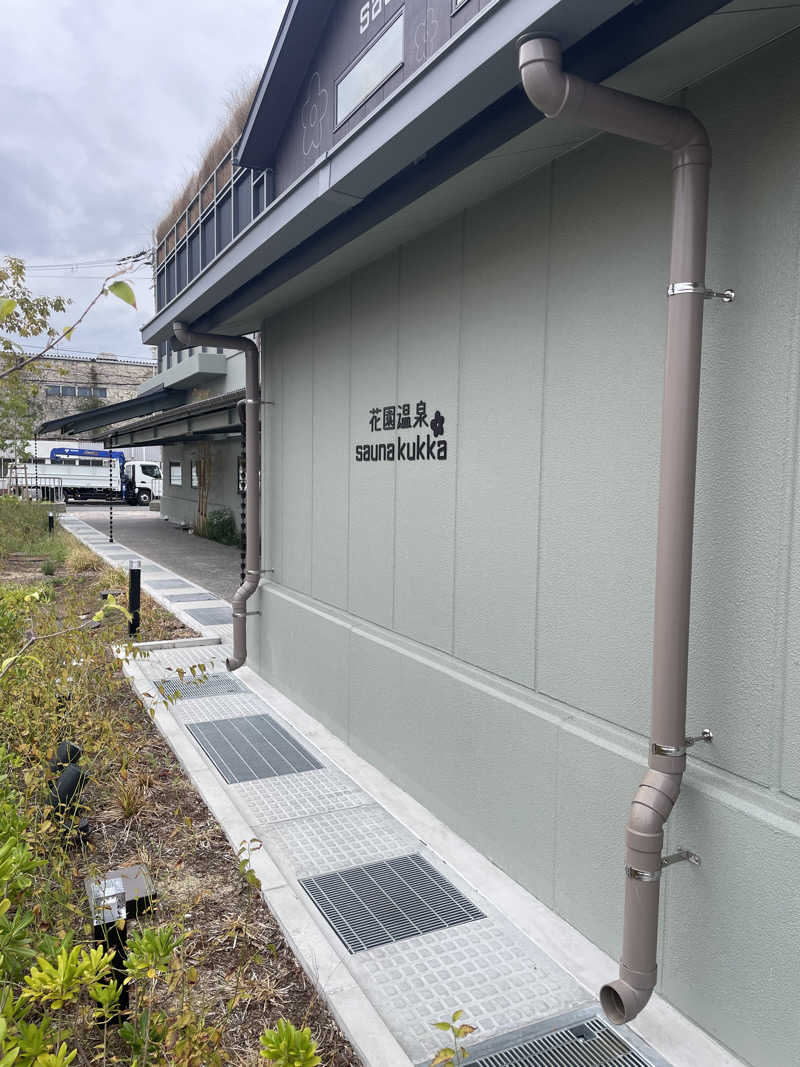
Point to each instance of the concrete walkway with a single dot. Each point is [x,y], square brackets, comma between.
[397,920]
[214,566]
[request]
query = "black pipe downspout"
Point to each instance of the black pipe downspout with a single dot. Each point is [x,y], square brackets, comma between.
[186,338]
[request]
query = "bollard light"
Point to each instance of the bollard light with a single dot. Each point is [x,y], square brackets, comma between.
[109,912]
[134,595]
[66,753]
[51,524]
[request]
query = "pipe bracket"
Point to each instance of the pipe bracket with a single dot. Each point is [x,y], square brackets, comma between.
[680,750]
[706,736]
[727,296]
[641,876]
[667,750]
[683,855]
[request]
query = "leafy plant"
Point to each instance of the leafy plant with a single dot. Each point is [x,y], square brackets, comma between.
[454,1054]
[150,951]
[220,526]
[49,567]
[61,981]
[286,1046]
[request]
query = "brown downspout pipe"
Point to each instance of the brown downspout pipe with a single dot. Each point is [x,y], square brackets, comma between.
[677,131]
[187,338]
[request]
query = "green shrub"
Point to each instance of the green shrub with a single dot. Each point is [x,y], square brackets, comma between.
[220,526]
[48,567]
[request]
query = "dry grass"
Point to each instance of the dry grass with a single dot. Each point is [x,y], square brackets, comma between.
[81,560]
[228,130]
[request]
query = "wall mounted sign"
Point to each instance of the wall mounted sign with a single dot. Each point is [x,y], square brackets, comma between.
[429,443]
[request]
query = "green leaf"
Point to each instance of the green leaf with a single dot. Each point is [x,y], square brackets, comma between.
[464,1030]
[123,291]
[441,1026]
[7,305]
[445,1055]
[68,333]
[457,1015]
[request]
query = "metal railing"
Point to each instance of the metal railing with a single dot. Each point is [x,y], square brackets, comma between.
[229,201]
[44,488]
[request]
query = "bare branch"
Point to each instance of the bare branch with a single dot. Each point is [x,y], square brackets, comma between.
[67,333]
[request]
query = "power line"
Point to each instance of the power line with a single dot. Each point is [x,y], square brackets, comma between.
[79,264]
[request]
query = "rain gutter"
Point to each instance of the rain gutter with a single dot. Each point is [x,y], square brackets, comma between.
[249,416]
[680,133]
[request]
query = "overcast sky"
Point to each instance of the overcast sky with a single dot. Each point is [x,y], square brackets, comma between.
[106,105]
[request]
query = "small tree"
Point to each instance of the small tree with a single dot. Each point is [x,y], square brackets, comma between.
[22,315]
[205,470]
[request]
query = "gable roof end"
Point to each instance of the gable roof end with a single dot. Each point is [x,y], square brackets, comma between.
[299,34]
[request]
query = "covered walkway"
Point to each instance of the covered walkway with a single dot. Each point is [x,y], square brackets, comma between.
[211,565]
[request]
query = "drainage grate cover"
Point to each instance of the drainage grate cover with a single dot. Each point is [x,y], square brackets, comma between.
[185,598]
[212,616]
[213,685]
[381,903]
[587,1044]
[245,749]
[167,583]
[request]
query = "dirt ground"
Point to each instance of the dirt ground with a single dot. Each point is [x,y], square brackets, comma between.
[145,810]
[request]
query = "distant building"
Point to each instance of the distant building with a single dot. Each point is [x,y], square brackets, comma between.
[74,382]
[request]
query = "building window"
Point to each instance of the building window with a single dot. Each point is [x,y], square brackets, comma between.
[193,475]
[383,57]
[52,390]
[175,473]
[100,391]
[68,390]
[84,390]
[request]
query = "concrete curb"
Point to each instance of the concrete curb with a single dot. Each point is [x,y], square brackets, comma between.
[355,1014]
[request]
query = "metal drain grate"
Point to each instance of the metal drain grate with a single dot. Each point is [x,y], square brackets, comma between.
[212,685]
[245,749]
[212,616]
[381,903]
[185,598]
[587,1044]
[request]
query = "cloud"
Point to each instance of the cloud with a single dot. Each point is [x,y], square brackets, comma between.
[106,107]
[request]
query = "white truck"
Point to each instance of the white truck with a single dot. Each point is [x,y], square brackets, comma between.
[87,474]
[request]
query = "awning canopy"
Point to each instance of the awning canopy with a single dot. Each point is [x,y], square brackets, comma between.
[159,399]
[214,417]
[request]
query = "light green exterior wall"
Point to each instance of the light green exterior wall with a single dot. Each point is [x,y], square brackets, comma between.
[179,503]
[481,628]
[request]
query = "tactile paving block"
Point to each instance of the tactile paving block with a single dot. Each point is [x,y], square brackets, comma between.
[210,709]
[186,598]
[211,616]
[200,685]
[388,901]
[294,796]
[500,980]
[333,840]
[245,749]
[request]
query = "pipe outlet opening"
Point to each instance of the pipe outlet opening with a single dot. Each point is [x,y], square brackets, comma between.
[622,1002]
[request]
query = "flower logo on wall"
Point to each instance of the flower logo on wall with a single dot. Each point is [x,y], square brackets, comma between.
[314,111]
[425,34]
